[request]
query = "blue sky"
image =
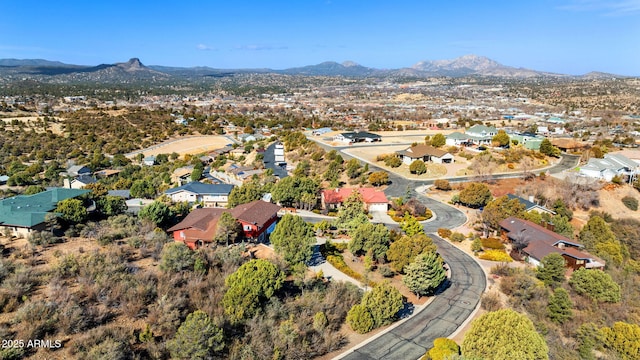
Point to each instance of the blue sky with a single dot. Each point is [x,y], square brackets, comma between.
[564,36]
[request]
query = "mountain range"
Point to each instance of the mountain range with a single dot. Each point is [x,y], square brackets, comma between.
[467,65]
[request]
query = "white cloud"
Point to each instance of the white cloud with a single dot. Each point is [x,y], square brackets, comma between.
[204,47]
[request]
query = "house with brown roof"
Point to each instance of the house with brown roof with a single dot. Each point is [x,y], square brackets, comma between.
[373,199]
[425,153]
[541,241]
[257,218]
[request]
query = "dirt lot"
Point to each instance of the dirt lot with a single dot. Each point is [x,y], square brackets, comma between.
[186,145]
[56,128]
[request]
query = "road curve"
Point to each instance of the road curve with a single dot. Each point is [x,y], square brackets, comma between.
[449,309]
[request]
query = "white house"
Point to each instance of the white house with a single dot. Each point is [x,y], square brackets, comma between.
[211,195]
[610,166]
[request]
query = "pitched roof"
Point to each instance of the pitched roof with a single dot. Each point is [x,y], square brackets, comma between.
[197,187]
[369,195]
[532,231]
[257,212]
[76,170]
[422,150]
[482,129]
[201,219]
[528,205]
[30,210]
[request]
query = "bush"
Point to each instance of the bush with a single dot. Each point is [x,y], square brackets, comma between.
[444,233]
[630,202]
[360,319]
[442,184]
[386,271]
[496,255]
[492,243]
[491,301]
[393,162]
[443,348]
[457,237]
[595,284]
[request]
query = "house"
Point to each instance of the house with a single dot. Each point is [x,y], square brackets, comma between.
[107,173]
[529,205]
[541,241]
[211,195]
[610,166]
[476,137]
[78,170]
[425,153]
[482,131]
[566,144]
[125,194]
[527,140]
[149,160]
[374,200]
[182,175]
[257,218]
[79,182]
[23,214]
[321,131]
[354,137]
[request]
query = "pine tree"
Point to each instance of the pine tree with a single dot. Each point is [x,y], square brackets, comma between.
[559,308]
[424,274]
[551,269]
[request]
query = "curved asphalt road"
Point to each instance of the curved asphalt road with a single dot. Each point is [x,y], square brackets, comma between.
[456,300]
[448,310]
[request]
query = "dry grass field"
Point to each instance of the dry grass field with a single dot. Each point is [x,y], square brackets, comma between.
[186,145]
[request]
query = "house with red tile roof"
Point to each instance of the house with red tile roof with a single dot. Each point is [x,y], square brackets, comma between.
[257,218]
[541,242]
[374,199]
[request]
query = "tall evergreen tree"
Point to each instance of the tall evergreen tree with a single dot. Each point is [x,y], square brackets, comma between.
[424,274]
[559,307]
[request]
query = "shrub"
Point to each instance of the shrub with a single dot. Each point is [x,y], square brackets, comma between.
[496,255]
[630,202]
[442,184]
[443,348]
[491,301]
[393,161]
[360,319]
[444,233]
[492,243]
[595,284]
[457,237]
[386,271]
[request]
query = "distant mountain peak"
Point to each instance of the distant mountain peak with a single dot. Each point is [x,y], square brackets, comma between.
[133,64]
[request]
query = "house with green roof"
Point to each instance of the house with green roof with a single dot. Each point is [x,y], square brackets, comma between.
[23,214]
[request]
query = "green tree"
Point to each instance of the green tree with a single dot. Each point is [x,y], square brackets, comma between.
[354,169]
[379,178]
[228,229]
[559,307]
[197,172]
[246,193]
[410,225]
[623,339]
[443,349]
[551,270]
[176,257]
[418,167]
[501,138]
[111,205]
[437,140]
[595,284]
[248,287]
[34,189]
[197,338]
[293,238]
[597,236]
[499,209]
[402,251]
[370,238]
[548,149]
[383,302]
[475,195]
[157,212]
[360,319]
[72,210]
[142,189]
[504,334]
[351,208]
[425,274]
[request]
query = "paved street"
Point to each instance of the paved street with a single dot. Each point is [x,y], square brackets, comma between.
[269,162]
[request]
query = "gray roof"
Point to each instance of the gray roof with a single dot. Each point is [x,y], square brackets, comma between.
[202,189]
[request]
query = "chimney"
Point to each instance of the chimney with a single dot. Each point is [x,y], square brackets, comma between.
[550,226]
